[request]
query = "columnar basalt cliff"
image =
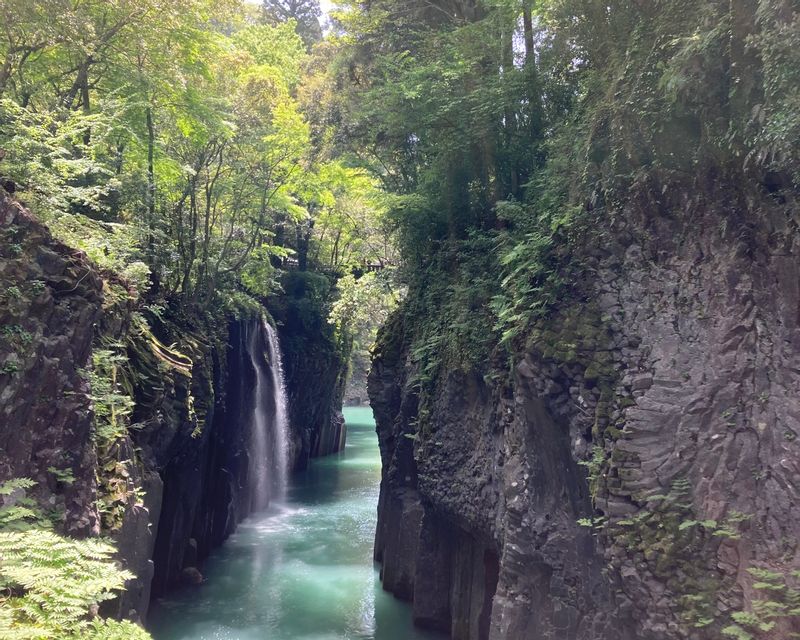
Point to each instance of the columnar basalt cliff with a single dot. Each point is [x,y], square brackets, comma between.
[656,404]
[315,365]
[50,299]
[176,480]
[201,452]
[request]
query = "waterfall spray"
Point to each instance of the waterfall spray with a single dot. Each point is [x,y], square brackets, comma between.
[269,437]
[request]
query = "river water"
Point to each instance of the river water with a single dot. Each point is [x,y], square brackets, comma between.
[302,570]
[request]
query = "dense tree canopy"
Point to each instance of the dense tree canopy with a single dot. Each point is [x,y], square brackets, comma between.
[179,121]
[511,122]
[305,13]
[199,146]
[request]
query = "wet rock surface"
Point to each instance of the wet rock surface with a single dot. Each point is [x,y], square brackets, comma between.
[198,456]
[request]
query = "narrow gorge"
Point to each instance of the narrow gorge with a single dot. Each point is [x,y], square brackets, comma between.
[207,444]
[400,319]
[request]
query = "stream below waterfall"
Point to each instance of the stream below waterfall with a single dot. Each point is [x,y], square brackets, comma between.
[301,570]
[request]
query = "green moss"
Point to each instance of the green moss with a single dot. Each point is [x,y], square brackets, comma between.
[613,432]
[391,338]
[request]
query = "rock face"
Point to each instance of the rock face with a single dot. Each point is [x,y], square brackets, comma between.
[657,404]
[195,455]
[315,364]
[50,299]
[478,516]
[207,488]
[177,481]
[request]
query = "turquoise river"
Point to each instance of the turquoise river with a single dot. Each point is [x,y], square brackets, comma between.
[302,570]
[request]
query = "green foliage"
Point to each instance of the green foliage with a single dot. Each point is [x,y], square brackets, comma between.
[166,141]
[15,484]
[55,583]
[684,86]
[594,523]
[773,125]
[729,528]
[672,542]
[15,333]
[530,282]
[363,306]
[303,310]
[305,14]
[8,368]
[111,246]
[113,405]
[18,511]
[470,133]
[430,117]
[448,306]
[63,476]
[777,602]
[595,466]
[737,632]
[46,153]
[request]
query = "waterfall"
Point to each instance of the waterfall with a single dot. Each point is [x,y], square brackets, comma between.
[270,427]
[281,404]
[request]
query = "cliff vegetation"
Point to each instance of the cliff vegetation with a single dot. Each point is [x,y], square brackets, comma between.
[165,183]
[581,215]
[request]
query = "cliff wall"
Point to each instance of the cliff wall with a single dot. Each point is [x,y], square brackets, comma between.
[656,404]
[136,423]
[315,363]
[50,300]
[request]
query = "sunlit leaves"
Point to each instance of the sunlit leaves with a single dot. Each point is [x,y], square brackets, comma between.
[277,47]
[180,122]
[52,584]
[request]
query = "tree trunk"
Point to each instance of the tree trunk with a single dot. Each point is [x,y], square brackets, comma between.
[511,186]
[536,113]
[5,74]
[83,80]
[527,23]
[186,284]
[304,232]
[744,67]
[335,250]
[151,182]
